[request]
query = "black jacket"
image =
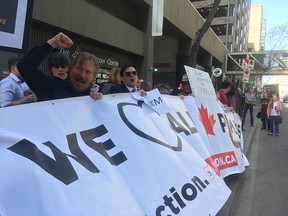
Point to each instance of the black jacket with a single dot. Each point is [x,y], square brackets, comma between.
[119,89]
[45,87]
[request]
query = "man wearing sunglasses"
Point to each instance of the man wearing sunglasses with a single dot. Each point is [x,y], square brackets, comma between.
[129,80]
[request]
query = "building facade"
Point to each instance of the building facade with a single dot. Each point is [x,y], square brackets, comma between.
[119,31]
[257,28]
[230,23]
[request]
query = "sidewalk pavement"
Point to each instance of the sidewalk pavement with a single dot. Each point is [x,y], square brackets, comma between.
[250,131]
[233,181]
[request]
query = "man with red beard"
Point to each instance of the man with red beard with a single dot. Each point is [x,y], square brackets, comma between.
[80,79]
[129,80]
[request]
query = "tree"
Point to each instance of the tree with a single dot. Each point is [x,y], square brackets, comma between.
[277,50]
[277,38]
[201,32]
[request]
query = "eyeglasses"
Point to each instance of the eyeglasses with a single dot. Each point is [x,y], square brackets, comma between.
[60,66]
[134,73]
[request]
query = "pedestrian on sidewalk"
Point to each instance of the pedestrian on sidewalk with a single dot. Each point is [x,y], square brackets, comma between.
[240,101]
[250,100]
[273,111]
[223,91]
[263,104]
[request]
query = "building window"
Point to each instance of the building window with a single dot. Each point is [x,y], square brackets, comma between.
[230,47]
[237,22]
[231,10]
[230,29]
[219,29]
[236,38]
[222,11]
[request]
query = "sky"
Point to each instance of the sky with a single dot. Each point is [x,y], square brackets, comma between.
[274,11]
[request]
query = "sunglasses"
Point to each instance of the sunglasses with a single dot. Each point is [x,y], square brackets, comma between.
[134,73]
[60,66]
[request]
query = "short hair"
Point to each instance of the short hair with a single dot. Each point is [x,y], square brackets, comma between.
[163,85]
[85,56]
[225,84]
[124,67]
[13,62]
[146,86]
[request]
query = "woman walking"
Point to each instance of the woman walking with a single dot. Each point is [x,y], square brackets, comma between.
[273,111]
[263,109]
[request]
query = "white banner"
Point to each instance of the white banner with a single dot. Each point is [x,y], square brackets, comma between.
[114,156]
[221,131]
[157,17]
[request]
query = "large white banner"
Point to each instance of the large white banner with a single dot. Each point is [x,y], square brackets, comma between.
[220,130]
[114,156]
[157,18]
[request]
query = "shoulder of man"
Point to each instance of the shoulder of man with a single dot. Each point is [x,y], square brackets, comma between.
[118,89]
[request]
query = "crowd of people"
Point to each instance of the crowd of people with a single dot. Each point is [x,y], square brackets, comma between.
[25,83]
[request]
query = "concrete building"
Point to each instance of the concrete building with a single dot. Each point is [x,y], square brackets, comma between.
[119,31]
[230,22]
[257,28]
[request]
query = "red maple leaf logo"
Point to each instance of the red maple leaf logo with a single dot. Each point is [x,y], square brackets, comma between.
[207,120]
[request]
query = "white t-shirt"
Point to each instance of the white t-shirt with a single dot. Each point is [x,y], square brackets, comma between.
[274,109]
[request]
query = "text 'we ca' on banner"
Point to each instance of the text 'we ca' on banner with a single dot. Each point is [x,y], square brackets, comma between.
[115,156]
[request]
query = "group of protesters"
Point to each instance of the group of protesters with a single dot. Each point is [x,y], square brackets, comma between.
[69,79]
[26,83]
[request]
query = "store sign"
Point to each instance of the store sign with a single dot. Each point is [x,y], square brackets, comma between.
[162,65]
[108,62]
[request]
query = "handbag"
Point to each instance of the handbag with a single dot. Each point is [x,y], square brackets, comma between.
[259,114]
[278,119]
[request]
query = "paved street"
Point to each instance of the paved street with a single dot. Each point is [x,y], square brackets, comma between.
[262,189]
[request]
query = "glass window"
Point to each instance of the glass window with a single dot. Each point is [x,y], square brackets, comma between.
[229,46]
[231,10]
[230,29]
[222,11]
[219,29]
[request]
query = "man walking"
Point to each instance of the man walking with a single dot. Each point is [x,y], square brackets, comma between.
[250,100]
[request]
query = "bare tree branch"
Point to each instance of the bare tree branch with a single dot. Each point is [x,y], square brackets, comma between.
[201,32]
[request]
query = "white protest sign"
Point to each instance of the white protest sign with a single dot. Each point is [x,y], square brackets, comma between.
[154,100]
[200,82]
